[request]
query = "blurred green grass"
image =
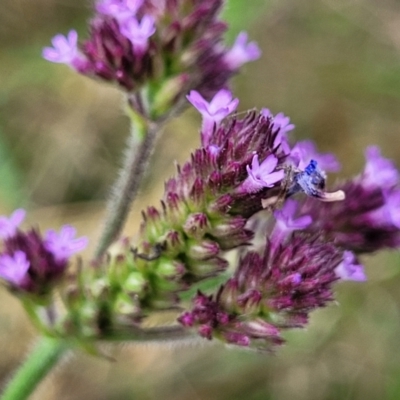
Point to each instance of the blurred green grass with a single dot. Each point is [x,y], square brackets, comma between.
[333,66]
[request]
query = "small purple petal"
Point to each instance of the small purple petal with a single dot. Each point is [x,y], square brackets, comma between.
[242,52]
[9,226]
[14,268]
[63,245]
[349,269]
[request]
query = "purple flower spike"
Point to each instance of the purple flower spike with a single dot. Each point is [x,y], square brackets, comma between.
[9,226]
[306,150]
[349,269]
[287,223]
[242,52]
[120,10]
[63,245]
[379,171]
[213,112]
[64,50]
[14,268]
[261,175]
[139,32]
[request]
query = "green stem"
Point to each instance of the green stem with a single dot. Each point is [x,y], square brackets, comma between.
[41,360]
[139,149]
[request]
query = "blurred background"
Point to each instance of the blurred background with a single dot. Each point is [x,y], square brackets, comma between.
[333,66]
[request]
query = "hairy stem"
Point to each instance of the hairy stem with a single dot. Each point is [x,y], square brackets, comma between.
[38,364]
[139,149]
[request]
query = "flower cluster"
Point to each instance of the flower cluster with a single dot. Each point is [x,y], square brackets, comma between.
[168,47]
[30,263]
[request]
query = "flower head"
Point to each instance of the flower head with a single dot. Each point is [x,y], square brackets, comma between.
[9,226]
[64,50]
[64,244]
[13,268]
[242,52]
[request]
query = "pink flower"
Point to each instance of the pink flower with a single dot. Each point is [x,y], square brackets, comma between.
[63,245]
[120,10]
[9,226]
[14,268]
[213,112]
[242,52]
[139,32]
[64,50]
[349,269]
[261,175]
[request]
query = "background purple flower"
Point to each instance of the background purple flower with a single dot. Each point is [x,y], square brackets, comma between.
[64,50]
[349,269]
[14,268]
[63,245]
[8,226]
[242,52]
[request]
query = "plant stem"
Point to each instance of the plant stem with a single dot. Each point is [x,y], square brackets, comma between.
[139,149]
[41,360]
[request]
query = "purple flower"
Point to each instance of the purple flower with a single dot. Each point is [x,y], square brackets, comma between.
[213,112]
[305,151]
[64,50]
[379,171]
[63,245]
[139,32]
[261,175]
[242,52]
[349,269]
[14,268]
[120,10]
[9,226]
[281,123]
[287,223]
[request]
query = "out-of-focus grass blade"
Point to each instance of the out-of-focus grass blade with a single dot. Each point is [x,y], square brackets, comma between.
[240,14]
[10,192]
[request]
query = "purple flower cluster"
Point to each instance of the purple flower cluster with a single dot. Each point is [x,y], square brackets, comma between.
[134,41]
[369,218]
[30,263]
[268,293]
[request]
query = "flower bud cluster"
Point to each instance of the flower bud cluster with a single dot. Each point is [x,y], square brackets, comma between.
[268,293]
[168,47]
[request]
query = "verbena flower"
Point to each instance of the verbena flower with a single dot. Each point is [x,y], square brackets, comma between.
[64,50]
[242,52]
[139,32]
[9,225]
[213,112]
[13,268]
[350,269]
